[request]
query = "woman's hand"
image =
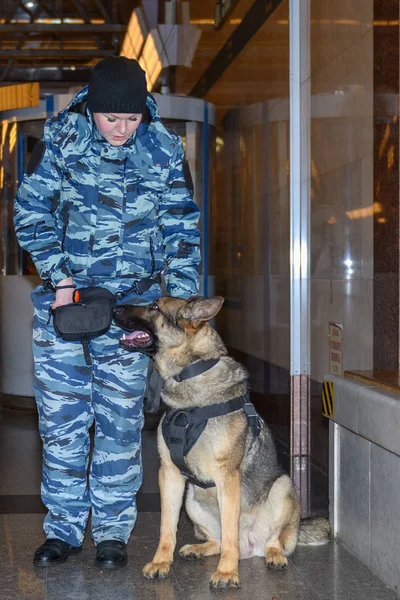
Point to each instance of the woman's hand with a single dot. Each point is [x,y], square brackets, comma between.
[63,296]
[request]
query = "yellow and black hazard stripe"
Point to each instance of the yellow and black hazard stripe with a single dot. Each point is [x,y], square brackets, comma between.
[327,398]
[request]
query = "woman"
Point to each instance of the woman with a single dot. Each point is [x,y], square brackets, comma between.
[107,201]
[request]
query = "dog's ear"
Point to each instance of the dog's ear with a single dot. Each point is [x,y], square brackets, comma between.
[201,309]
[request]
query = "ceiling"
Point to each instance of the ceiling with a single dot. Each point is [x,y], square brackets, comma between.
[82,32]
[58,41]
[261,69]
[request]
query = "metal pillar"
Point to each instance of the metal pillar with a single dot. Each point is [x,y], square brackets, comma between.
[299,40]
[205,201]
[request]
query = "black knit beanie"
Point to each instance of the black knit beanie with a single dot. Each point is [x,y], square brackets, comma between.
[117,85]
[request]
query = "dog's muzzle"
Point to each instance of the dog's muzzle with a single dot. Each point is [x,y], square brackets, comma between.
[139,338]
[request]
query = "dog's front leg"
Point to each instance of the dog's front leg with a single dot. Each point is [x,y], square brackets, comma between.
[228,490]
[172,487]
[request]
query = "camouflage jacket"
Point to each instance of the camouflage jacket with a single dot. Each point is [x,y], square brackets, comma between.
[111,214]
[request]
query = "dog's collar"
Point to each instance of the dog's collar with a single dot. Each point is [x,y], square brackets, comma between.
[197,368]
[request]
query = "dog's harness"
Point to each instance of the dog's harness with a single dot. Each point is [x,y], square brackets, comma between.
[182,428]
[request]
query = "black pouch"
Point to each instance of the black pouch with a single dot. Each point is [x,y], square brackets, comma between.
[86,319]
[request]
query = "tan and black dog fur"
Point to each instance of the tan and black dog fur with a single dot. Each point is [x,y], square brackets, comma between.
[253,509]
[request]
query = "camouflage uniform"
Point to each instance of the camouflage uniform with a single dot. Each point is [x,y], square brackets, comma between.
[103,215]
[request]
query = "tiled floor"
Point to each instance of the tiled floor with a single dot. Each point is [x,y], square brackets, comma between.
[319,573]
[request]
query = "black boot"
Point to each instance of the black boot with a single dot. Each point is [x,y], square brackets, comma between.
[54,552]
[111,554]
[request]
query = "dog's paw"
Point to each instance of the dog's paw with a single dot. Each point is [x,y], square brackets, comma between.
[191,552]
[155,570]
[196,551]
[220,579]
[276,561]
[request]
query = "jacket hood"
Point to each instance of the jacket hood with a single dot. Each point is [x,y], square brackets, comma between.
[75,123]
[81,96]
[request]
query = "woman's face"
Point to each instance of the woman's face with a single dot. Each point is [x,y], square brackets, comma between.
[117,128]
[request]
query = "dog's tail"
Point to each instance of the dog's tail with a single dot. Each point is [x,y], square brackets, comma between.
[314,532]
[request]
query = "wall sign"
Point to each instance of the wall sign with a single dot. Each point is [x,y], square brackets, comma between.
[335,349]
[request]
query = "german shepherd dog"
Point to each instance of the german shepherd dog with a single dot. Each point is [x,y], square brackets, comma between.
[252,508]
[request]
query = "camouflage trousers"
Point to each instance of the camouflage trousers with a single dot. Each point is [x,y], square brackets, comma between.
[70,396]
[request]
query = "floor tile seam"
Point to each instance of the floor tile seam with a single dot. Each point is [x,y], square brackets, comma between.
[45,584]
[155,526]
[176,579]
[304,578]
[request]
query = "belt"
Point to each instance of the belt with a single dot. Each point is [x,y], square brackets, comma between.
[140,286]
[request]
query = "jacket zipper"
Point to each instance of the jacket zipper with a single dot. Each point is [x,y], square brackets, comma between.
[64,231]
[65,216]
[153,260]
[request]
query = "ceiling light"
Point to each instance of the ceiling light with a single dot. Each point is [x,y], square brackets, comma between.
[150,61]
[135,35]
